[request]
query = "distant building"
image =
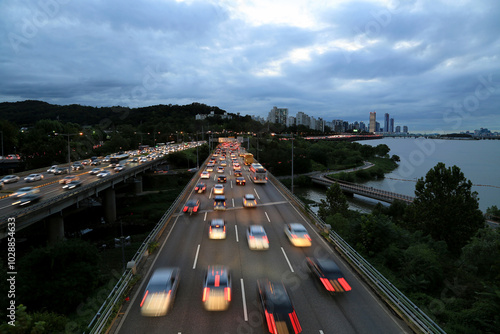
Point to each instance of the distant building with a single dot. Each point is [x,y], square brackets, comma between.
[373,122]
[200,117]
[377,127]
[391,125]
[278,115]
[386,122]
[398,129]
[405,129]
[291,121]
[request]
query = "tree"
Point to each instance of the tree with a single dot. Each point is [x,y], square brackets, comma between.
[336,202]
[446,208]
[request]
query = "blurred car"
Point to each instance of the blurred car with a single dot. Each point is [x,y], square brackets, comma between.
[205,175]
[222,179]
[329,274]
[61,170]
[210,168]
[297,234]
[191,206]
[223,163]
[218,189]
[77,166]
[217,229]
[219,202]
[24,191]
[200,188]
[72,185]
[160,292]
[217,288]
[240,181]
[52,169]
[220,169]
[95,162]
[10,179]
[95,171]
[257,237]
[119,168]
[27,199]
[238,173]
[68,179]
[236,167]
[33,178]
[277,308]
[103,173]
[249,201]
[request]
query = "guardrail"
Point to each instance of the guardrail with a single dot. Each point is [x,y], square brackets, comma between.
[398,301]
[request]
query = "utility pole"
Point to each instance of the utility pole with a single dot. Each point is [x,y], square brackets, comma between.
[292,163]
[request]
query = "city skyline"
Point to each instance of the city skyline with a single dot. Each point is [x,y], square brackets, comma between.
[342,59]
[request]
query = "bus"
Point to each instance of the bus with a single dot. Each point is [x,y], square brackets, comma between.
[115,159]
[258,174]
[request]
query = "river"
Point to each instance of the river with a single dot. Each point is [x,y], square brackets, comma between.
[479,160]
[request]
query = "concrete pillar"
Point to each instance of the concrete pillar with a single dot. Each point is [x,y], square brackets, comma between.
[56,228]
[138,185]
[109,205]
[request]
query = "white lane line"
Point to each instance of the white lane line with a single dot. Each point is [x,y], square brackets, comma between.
[320,331]
[269,220]
[231,184]
[256,193]
[233,201]
[196,257]
[286,258]
[236,230]
[245,314]
[205,218]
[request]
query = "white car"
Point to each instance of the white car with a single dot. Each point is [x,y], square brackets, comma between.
[218,189]
[249,201]
[10,179]
[160,292]
[297,234]
[104,173]
[257,237]
[52,169]
[25,191]
[95,171]
[217,229]
[205,175]
[33,178]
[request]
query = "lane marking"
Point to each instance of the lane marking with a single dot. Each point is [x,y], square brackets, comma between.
[269,220]
[205,218]
[196,257]
[231,184]
[255,190]
[286,258]
[233,201]
[236,230]
[245,314]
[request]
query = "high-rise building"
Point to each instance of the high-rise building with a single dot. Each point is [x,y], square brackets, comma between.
[377,127]
[398,129]
[386,122]
[391,125]
[373,121]
[405,129]
[278,115]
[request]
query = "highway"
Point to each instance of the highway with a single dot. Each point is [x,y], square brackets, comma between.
[188,247]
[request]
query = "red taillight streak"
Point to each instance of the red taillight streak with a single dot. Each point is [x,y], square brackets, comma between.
[217,280]
[307,237]
[294,236]
[295,322]
[185,209]
[344,284]
[265,239]
[144,298]
[252,237]
[270,323]
[327,284]
[205,294]
[227,294]
[224,229]
[195,209]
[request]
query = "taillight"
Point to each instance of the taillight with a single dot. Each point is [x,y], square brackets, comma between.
[185,209]
[206,291]
[227,294]
[270,322]
[195,209]
[224,229]
[328,285]
[295,322]
[144,298]
[294,236]
[307,237]
[252,237]
[344,284]
[210,231]
[265,239]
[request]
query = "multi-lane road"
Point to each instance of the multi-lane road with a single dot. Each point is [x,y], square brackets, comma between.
[188,247]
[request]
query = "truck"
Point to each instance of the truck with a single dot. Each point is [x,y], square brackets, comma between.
[248,159]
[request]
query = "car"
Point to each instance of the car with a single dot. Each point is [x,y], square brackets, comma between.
[217,229]
[277,308]
[328,273]
[77,166]
[240,181]
[220,169]
[1,185]
[103,173]
[217,288]
[95,171]
[218,189]
[249,201]
[205,175]
[297,234]
[257,237]
[200,188]
[27,199]
[222,179]
[86,162]
[68,179]
[95,162]
[61,170]
[24,191]
[160,292]
[238,173]
[192,206]
[33,178]
[210,168]
[72,185]
[10,179]
[52,169]
[119,168]
[219,202]
[223,163]
[237,167]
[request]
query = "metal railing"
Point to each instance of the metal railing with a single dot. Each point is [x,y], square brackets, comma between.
[398,301]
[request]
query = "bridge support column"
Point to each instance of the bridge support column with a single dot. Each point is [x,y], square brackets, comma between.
[138,185]
[109,205]
[56,228]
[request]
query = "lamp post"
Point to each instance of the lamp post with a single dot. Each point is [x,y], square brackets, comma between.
[292,164]
[69,150]
[3,157]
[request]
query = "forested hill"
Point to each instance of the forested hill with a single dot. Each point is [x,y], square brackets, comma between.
[27,113]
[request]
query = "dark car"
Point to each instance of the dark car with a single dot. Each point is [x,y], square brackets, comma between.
[277,308]
[222,179]
[238,173]
[27,199]
[192,206]
[200,188]
[219,202]
[240,181]
[217,288]
[329,274]
[60,171]
[160,292]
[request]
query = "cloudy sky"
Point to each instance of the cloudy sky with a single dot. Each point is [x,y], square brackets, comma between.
[433,65]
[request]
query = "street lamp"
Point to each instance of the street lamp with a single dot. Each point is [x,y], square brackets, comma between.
[3,157]
[69,150]
[292,163]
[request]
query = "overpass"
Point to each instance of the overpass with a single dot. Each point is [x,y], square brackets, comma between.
[352,188]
